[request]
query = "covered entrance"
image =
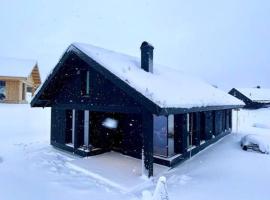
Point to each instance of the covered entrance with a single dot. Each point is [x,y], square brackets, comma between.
[92,131]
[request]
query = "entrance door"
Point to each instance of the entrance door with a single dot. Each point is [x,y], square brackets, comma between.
[122,133]
[103,135]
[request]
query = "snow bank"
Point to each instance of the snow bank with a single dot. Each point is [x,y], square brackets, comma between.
[259,125]
[160,193]
[263,142]
[166,87]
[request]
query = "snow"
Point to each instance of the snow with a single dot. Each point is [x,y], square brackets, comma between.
[31,169]
[167,87]
[257,130]
[110,123]
[117,170]
[256,94]
[263,142]
[15,67]
[161,192]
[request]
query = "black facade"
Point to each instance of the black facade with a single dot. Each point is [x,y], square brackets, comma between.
[249,104]
[84,95]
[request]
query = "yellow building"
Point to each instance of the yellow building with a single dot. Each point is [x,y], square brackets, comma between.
[19,78]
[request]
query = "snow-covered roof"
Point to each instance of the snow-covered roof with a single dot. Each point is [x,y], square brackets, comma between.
[256,94]
[166,87]
[14,67]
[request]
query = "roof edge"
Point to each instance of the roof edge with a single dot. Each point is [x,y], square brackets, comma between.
[167,111]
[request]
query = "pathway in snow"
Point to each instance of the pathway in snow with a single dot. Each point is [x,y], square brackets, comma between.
[32,169]
[35,170]
[119,171]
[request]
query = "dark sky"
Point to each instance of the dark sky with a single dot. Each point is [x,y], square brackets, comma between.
[226,43]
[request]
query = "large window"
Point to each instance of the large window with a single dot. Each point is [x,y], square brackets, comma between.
[190,127]
[2,90]
[164,135]
[160,135]
[171,130]
[70,127]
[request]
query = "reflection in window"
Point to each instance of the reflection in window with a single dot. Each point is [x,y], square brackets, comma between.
[2,90]
[85,83]
[190,129]
[171,135]
[160,135]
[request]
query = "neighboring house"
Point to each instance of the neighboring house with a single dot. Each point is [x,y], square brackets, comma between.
[102,100]
[254,98]
[19,79]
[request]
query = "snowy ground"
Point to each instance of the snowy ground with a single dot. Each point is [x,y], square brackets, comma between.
[31,169]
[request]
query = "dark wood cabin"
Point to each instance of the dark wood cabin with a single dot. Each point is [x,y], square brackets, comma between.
[253,98]
[84,91]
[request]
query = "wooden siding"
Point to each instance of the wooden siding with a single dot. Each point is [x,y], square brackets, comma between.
[12,91]
[14,86]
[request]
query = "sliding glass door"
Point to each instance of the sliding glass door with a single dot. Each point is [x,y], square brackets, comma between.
[164,136]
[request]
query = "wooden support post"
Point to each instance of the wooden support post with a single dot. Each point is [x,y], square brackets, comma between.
[148,142]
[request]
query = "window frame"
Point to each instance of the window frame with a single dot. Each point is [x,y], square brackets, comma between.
[3,84]
[168,149]
[85,82]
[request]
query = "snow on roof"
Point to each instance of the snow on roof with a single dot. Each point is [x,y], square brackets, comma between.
[256,94]
[166,87]
[16,67]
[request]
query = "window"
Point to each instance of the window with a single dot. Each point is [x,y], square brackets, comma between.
[70,127]
[2,90]
[29,89]
[23,91]
[164,133]
[171,135]
[223,120]
[85,83]
[160,135]
[190,127]
[202,128]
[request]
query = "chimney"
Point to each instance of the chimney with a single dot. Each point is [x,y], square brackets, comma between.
[147,57]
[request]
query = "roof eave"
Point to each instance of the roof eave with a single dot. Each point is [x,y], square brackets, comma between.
[167,111]
[140,98]
[35,100]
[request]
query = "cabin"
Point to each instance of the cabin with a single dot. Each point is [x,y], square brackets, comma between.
[104,101]
[253,98]
[19,78]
